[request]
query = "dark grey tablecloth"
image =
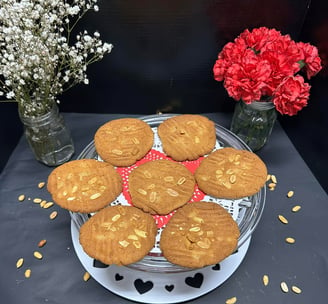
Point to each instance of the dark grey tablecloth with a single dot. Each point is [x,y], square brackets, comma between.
[57,278]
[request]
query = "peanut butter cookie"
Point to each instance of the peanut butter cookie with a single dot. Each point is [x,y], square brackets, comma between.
[84,185]
[118,235]
[121,142]
[187,137]
[199,234]
[231,173]
[161,186]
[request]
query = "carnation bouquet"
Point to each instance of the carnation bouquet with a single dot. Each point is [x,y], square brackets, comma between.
[264,65]
[38,59]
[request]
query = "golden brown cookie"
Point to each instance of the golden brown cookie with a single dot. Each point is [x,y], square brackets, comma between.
[199,234]
[118,235]
[84,185]
[161,186]
[121,142]
[231,173]
[187,137]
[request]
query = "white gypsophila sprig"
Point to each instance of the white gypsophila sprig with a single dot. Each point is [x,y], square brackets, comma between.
[38,60]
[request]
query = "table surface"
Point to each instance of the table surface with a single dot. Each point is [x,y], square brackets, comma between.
[58,277]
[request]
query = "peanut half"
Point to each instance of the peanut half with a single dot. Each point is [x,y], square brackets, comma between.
[232,300]
[296,289]
[27,273]
[284,287]
[37,255]
[42,243]
[19,263]
[282,219]
[21,197]
[86,276]
[265,280]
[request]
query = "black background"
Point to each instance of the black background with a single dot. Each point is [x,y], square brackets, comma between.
[163,56]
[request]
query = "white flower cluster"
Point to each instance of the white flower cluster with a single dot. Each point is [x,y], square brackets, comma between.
[38,61]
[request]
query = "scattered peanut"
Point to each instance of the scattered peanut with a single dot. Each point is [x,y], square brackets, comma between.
[27,273]
[282,219]
[232,300]
[273,178]
[37,255]
[37,200]
[268,177]
[296,289]
[21,197]
[284,286]
[48,205]
[290,240]
[19,263]
[296,208]
[41,185]
[53,215]
[290,194]
[86,276]
[265,280]
[42,243]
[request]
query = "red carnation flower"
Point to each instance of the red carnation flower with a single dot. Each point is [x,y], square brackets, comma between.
[246,79]
[291,95]
[311,58]
[259,37]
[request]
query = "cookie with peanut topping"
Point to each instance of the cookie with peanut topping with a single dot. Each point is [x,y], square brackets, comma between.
[160,186]
[199,234]
[84,185]
[187,136]
[121,142]
[118,235]
[231,173]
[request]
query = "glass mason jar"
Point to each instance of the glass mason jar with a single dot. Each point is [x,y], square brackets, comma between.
[253,123]
[48,136]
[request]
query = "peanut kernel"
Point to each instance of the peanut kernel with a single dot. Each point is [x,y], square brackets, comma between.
[95,195]
[296,208]
[265,280]
[116,217]
[290,240]
[42,243]
[296,289]
[172,192]
[284,286]
[21,197]
[282,219]
[37,255]
[19,263]
[41,185]
[27,273]
[53,215]
[48,205]
[232,300]
[86,276]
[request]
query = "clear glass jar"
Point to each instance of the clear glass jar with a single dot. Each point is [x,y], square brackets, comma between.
[253,123]
[48,136]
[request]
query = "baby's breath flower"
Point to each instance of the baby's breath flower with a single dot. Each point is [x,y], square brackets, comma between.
[38,60]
